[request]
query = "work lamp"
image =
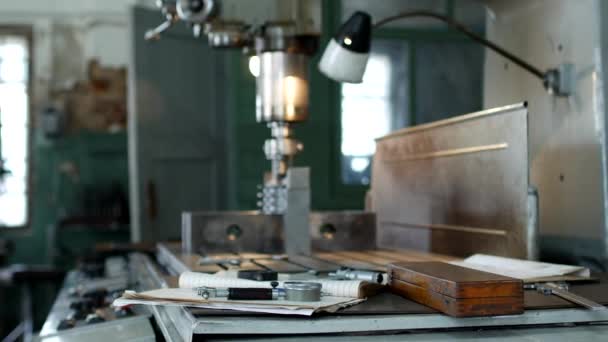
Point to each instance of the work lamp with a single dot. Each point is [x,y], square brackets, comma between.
[346,54]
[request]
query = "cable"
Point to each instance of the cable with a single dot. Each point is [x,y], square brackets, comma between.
[474,36]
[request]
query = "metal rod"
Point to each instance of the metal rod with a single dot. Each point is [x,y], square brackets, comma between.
[155,33]
[466,31]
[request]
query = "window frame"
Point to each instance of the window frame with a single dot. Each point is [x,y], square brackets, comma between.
[27,32]
[413,36]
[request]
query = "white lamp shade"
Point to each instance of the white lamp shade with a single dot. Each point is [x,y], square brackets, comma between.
[341,64]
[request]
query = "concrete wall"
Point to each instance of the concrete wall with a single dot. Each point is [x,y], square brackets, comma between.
[567,145]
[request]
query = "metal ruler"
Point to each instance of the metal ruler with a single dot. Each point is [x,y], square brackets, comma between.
[561,290]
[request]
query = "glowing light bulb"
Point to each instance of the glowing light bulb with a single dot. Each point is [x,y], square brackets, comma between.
[295,94]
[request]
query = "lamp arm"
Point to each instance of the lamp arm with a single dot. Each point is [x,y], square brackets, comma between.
[467,32]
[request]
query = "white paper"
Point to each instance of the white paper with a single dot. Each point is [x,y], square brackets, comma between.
[337,288]
[520,269]
[188,297]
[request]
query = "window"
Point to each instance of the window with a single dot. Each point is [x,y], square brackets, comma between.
[14,127]
[419,71]
[373,108]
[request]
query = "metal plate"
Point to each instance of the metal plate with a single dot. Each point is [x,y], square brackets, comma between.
[456,186]
[210,232]
[352,230]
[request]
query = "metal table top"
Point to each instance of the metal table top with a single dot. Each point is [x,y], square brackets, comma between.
[178,323]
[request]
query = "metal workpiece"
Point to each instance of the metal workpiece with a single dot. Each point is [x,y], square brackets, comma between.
[343,230]
[286,199]
[248,231]
[231,231]
[296,226]
[457,186]
[273,199]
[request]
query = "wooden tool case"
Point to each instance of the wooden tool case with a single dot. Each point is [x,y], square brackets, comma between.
[455,290]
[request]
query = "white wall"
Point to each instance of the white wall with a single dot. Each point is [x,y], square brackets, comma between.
[68,34]
[567,153]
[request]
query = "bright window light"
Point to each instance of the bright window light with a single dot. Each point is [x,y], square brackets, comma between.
[14,130]
[254,65]
[366,115]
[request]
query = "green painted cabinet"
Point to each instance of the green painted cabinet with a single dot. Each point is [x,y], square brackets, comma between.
[63,172]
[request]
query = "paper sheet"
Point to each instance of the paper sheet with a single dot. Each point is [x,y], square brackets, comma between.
[520,269]
[187,297]
[337,288]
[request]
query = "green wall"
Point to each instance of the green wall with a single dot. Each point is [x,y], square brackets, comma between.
[100,158]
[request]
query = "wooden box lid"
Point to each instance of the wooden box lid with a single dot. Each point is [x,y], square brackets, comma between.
[455,281]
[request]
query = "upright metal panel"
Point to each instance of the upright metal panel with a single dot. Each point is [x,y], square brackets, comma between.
[456,186]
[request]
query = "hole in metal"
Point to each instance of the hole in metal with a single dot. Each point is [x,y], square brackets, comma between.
[233,232]
[328,231]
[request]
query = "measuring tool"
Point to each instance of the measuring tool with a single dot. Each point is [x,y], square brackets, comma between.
[345,273]
[292,291]
[561,290]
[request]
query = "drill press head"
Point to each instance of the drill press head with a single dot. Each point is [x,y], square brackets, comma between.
[281,101]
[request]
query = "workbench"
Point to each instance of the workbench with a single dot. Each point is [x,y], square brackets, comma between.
[386,315]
